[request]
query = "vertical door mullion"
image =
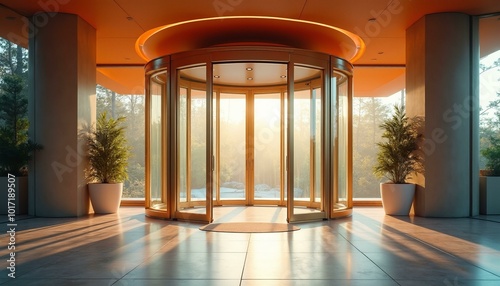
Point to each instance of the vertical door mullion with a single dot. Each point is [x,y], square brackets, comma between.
[188,146]
[312,151]
[217,148]
[289,141]
[209,142]
[283,166]
[250,148]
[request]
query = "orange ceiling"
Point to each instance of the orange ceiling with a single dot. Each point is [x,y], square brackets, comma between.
[119,23]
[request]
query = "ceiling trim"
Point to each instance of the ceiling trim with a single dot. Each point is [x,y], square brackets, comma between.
[205,32]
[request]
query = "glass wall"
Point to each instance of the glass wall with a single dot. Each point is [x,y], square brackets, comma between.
[489,88]
[132,107]
[376,91]
[13,60]
[13,96]
[268,174]
[368,114]
[232,122]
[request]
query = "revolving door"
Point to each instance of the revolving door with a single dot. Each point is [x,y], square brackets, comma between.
[248,126]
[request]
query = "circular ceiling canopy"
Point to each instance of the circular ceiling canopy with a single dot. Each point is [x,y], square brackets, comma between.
[209,32]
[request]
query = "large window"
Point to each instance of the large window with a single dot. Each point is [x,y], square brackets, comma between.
[13,59]
[132,107]
[14,121]
[489,80]
[372,103]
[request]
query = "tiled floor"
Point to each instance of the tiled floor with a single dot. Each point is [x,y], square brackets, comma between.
[368,248]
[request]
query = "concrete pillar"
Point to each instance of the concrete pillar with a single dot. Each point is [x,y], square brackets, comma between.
[62,98]
[439,85]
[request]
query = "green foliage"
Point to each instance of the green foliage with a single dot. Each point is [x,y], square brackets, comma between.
[368,114]
[397,158]
[492,155]
[108,151]
[13,59]
[490,137]
[15,148]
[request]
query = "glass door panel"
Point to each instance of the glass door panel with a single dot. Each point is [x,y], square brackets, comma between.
[157,199]
[307,154]
[316,143]
[183,195]
[232,147]
[341,197]
[198,147]
[302,146]
[192,126]
[267,147]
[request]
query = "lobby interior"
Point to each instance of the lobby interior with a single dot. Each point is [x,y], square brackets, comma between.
[431,51]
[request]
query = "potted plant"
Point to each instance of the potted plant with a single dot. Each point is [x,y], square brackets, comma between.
[108,154]
[16,149]
[489,180]
[397,160]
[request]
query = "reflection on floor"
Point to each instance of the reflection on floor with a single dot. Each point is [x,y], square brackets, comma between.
[368,248]
[250,213]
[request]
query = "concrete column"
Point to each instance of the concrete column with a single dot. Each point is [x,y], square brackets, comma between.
[62,98]
[439,84]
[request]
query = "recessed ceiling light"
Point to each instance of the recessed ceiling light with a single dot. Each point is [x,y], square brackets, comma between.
[249,69]
[249,78]
[216,76]
[283,76]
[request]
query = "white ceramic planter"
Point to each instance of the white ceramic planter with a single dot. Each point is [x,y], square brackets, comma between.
[105,198]
[397,198]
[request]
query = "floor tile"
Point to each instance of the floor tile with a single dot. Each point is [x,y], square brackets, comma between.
[197,266]
[316,282]
[304,265]
[433,265]
[163,282]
